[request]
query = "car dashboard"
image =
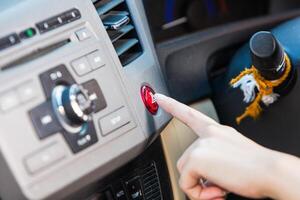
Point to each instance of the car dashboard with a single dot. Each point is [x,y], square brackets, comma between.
[70,95]
[77,81]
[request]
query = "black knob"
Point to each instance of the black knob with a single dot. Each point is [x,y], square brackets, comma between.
[267,55]
[78,107]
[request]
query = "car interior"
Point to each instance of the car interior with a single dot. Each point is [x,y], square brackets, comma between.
[77,81]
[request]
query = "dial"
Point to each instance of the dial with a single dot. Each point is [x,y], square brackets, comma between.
[73,107]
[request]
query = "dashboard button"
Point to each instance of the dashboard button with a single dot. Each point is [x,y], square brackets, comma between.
[82,140]
[8,101]
[74,113]
[83,34]
[9,40]
[44,158]
[58,20]
[95,95]
[81,66]
[114,121]
[54,22]
[134,189]
[27,91]
[147,94]
[48,25]
[119,191]
[95,59]
[71,15]
[44,120]
[53,77]
[28,33]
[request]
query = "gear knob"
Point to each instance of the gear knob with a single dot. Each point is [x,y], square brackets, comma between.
[267,55]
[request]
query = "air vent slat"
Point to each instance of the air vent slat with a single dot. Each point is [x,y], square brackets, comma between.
[117,34]
[123,45]
[119,12]
[129,57]
[149,172]
[151,176]
[147,192]
[151,183]
[118,22]
[106,5]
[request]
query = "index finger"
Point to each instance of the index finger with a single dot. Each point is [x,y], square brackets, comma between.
[191,117]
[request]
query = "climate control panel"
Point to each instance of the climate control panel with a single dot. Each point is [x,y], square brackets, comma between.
[69,108]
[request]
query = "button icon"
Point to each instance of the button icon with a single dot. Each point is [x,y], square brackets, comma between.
[8,101]
[44,121]
[59,19]
[54,76]
[114,121]
[83,34]
[84,140]
[95,60]
[134,188]
[95,95]
[120,193]
[81,66]
[27,91]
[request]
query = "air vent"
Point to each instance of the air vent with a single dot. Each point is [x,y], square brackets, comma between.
[151,183]
[118,22]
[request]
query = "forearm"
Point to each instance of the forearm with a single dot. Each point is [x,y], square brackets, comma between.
[285,178]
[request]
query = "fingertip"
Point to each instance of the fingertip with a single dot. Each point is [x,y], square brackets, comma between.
[160,99]
[159,96]
[164,102]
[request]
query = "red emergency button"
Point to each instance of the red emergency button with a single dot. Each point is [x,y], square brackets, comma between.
[147,94]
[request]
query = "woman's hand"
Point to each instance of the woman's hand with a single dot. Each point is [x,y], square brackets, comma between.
[222,156]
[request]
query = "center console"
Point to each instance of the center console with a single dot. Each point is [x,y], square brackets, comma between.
[71,109]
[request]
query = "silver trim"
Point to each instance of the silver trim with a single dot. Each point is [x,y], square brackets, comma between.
[60,113]
[74,90]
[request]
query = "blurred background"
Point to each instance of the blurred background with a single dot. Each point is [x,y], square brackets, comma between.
[173,18]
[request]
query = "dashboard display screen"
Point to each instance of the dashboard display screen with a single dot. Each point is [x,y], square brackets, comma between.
[171,18]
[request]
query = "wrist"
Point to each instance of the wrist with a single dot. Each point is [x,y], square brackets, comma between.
[278,175]
[272,173]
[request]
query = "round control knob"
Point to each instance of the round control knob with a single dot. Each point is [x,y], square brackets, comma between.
[147,94]
[72,106]
[267,55]
[77,104]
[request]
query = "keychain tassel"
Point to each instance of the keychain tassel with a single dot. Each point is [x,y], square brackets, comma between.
[265,89]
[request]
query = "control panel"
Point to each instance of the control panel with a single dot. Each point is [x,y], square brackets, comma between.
[137,184]
[58,20]
[68,109]
[43,26]
[70,112]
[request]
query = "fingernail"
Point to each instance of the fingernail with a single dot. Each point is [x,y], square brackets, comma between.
[159,97]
